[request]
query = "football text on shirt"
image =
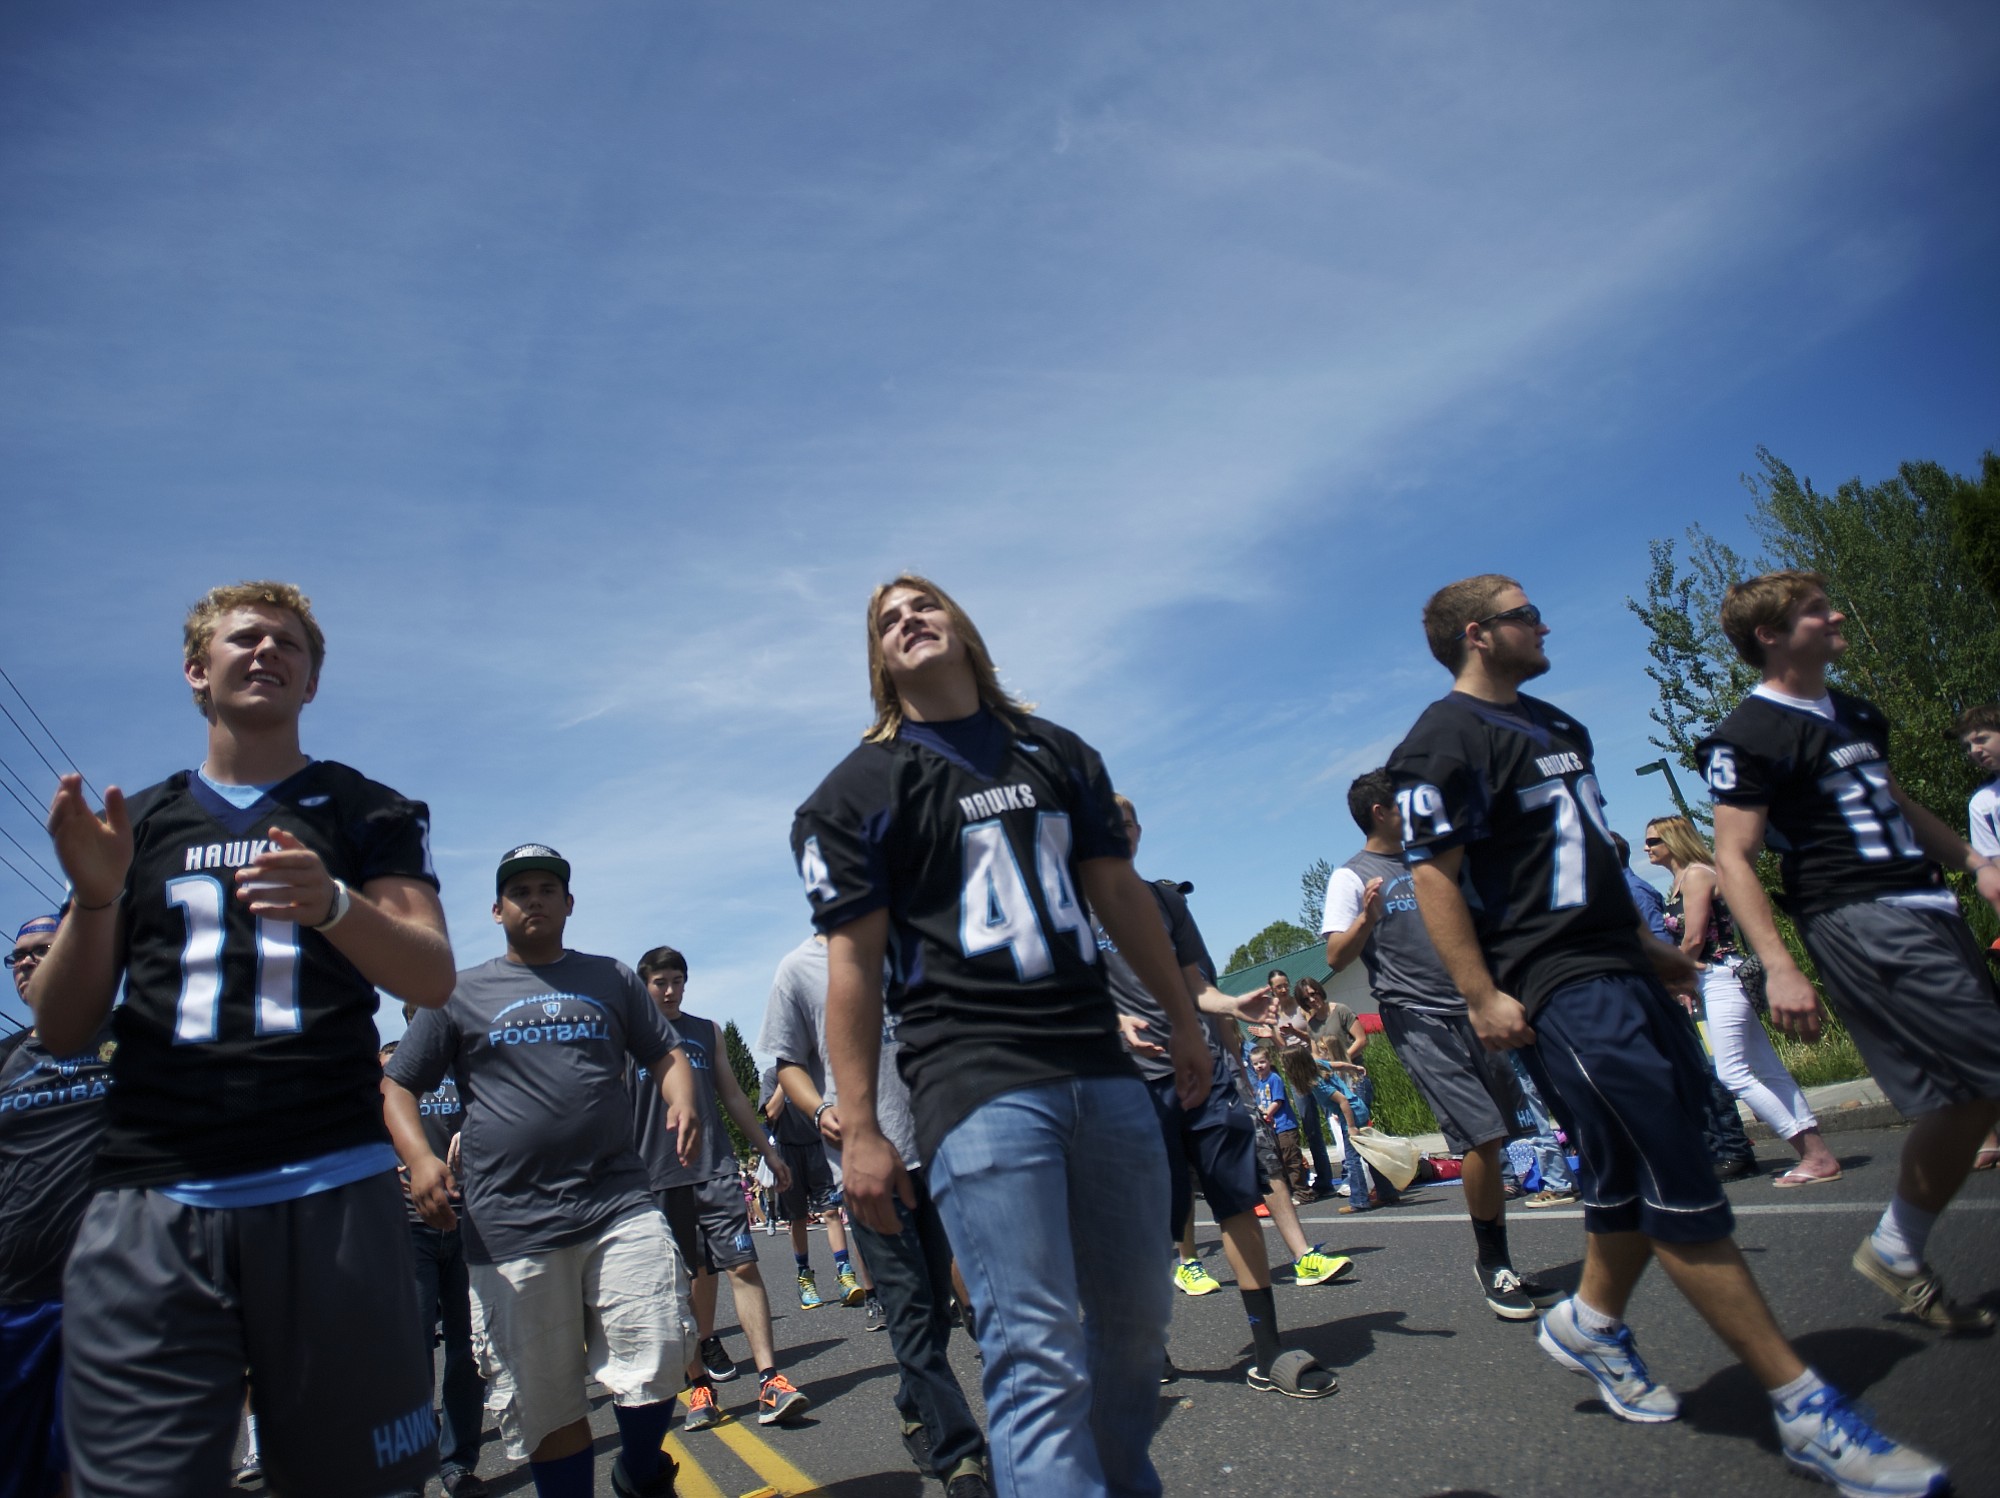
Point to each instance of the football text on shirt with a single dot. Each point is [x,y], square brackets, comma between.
[554,1028]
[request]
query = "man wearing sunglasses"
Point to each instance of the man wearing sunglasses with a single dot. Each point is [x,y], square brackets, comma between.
[1523,894]
[51,1117]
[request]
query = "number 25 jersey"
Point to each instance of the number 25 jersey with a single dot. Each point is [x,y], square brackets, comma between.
[1839,834]
[1513,785]
[246,1043]
[969,834]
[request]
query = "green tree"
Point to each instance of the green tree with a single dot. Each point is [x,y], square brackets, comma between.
[1312,893]
[1975,522]
[1274,941]
[744,1065]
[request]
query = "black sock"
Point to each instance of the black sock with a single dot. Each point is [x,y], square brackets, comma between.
[1492,1240]
[1263,1314]
[701,1381]
[764,1375]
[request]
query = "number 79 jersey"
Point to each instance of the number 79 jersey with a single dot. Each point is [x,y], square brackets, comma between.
[1515,788]
[246,1043]
[972,848]
[1824,785]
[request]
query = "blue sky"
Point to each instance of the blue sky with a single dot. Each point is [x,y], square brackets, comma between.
[588,363]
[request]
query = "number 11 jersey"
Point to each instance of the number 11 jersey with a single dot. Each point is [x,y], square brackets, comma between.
[969,834]
[246,1043]
[1513,785]
[1839,835]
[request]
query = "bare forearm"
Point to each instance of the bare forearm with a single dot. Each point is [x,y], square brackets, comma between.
[1750,906]
[396,939]
[799,1087]
[676,1079]
[1344,946]
[1937,839]
[406,1124]
[854,1017]
[1448,922]
[72,990]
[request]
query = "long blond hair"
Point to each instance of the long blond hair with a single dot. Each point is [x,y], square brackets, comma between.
[889,706]
[1685,846]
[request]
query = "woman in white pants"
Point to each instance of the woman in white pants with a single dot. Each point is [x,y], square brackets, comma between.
[1744,1060]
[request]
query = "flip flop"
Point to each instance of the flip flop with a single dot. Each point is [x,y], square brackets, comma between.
[1986,1159]
[1297,1375]
[1797,1177]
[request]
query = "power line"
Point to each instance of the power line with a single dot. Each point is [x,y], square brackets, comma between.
[39,891]
[39,816]
[47,730]
[31,857]
[31,743]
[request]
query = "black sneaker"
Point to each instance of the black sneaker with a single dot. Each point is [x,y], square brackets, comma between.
[716,1360]
[1507,1294]
[878,1317]
[1735,1170]
[462,1482]
[968,1480]
[661,1486]
[917,1441]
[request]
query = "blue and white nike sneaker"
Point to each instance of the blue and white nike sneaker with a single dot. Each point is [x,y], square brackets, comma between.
[1830,1439]
[1628,1390]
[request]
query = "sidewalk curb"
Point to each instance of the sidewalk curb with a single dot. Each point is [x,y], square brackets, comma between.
[1841,1109]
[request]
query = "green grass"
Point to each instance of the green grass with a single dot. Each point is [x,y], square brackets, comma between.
[1399,1107]
[1831,1058]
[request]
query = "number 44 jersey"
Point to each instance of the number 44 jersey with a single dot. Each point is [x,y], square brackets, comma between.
[246,1043]
[970,834]
[1824,784]
[1513,785]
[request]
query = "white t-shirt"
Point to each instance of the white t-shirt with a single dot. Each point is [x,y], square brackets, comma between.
[1983,815]
[1343,902]
[1822,704]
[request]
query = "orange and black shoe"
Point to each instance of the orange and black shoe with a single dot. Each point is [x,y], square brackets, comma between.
[778,1401]
[703,1411]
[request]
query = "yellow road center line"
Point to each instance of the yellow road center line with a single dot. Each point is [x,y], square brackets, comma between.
[692,1482]
[766,1463]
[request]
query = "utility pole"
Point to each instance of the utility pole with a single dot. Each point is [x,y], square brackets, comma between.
[1661,767]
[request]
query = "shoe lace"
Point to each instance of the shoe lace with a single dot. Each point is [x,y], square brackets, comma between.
[1849,1419]
[1506,1282]
[777,1383]
[1635,1366]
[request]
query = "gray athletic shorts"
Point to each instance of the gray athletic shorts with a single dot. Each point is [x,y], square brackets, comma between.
[165,1305]
[711,1224]
[1913,990]
[1472,1090]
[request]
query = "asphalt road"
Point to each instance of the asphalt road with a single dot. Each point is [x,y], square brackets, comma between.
[1437,1396]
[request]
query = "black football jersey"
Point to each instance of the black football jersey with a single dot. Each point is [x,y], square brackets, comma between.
[1824,786]
[1514,787]
[970,834]
[246,1043]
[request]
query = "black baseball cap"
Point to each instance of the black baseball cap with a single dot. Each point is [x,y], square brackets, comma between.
[530,856]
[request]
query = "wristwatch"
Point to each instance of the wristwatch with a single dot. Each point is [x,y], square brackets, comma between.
[342,902]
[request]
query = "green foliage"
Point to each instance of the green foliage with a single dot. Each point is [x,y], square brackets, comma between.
[1831,1058]
[1696,671]
[1399,1107]
[744,1065]
[1274,941]
[1312,893]
[1975,522]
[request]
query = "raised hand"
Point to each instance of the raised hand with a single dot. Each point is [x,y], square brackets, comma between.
[95,851]
[1259,1006]
[1371,899]
[287,882]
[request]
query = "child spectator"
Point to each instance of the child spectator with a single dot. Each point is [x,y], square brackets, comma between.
[1277,1110]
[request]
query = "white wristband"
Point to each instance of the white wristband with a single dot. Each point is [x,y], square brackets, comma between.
[342,903]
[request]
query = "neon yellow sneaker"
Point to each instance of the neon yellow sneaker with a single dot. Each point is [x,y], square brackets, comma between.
[1192,1279]
[1316,1268]
[851,1292]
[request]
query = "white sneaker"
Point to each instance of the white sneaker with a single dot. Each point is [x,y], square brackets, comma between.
[1613,1362]
[1830,1439]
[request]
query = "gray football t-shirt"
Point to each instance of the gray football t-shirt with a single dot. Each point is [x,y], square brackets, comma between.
[794,1031]
[701,1042]
[1403,966]
[539,1054]
[1134,998]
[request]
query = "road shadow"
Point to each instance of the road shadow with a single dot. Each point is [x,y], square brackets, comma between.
[1340,1343]
[903,1484]
[1852,1359]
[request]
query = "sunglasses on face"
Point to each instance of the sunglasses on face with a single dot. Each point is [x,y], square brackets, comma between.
[22,954]
[1656,842]
[1526,614]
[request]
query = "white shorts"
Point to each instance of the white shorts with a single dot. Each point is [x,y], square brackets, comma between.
[613,1307]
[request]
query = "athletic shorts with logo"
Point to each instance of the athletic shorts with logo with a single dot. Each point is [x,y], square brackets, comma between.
[165,1305]
[1470,1089]
[1913,989]
[812,1190]
[710,1222]
[1616,1058]
[613,1307]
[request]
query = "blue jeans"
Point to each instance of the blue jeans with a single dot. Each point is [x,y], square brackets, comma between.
[444,1296]
[1041,1191]
[1536,1118]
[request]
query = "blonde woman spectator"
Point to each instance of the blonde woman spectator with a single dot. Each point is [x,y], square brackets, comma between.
[1744,1059]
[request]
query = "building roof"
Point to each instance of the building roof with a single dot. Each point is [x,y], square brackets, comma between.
[1349,986]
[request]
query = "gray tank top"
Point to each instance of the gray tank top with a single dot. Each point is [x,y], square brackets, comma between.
[1403,966]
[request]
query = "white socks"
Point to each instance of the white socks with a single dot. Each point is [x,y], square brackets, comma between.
[1593,1320]
[1900,1236]
[1789,1397]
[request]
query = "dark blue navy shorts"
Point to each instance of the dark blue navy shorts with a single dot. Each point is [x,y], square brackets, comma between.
[33,1455]
[1620,1064]
[1218,1140]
